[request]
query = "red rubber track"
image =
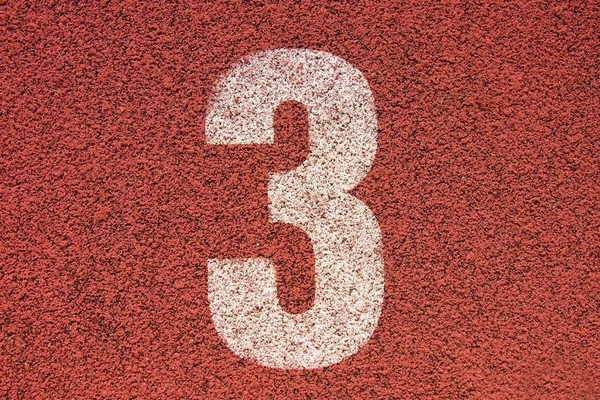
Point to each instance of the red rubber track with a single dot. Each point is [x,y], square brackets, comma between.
[485,185]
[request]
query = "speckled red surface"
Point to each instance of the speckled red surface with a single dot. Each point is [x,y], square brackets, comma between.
[485,185]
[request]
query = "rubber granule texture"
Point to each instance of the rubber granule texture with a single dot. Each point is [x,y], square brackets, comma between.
[485,186]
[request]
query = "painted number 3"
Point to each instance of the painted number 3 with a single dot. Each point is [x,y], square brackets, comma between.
[314,197]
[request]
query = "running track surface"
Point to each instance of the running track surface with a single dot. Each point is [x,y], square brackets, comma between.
[485,186]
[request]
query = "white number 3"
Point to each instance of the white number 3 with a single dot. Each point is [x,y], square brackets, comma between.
[345,235]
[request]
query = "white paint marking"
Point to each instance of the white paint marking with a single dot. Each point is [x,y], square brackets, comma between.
[345,235]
